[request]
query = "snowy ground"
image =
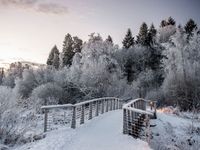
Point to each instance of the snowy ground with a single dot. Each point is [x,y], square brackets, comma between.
[173,132]
[101,133]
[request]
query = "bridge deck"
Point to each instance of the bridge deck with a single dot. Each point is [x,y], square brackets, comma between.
[101,133]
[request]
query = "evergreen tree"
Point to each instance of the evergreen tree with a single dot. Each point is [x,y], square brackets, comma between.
[77,45]
[190,27]
[1,75]
[56,59]
[128,40]
[53,59]
[67,53]
[171,21]
[152,35]
[142,37]
[109,39]
[163,23]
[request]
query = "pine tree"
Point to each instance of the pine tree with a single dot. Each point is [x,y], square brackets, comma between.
[1,75]
[56,59]
[109,39]
[77,45]
[142,37]
[53,59]
[152,35]
[190,27]
[67,53]
[163,23]
[171,21]
[128,40]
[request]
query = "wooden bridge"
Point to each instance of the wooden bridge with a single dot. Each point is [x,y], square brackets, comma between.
[136,114]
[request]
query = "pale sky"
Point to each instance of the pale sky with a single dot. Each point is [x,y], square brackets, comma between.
[30,28]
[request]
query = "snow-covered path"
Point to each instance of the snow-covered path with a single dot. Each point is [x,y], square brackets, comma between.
[101,133]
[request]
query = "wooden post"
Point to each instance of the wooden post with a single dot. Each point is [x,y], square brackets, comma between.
[155,115]
[90,111]
[73,123]
[129,122]
[148,134]
[82,114]
[114,106]
[102,106]
[124,122]
[97,108]
[111,104]
[117,103]
[106,105]
[45,119]
[140,104]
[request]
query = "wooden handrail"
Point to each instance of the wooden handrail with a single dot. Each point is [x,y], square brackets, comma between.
[136,116]
[96,106]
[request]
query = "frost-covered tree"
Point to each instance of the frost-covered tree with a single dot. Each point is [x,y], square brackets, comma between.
[53,59]
[171,21]
[67,52]
[182,71]
[2,75]
[56,60]
[142,38]
[109,39]
[165,33]
[152,35]
[128,41]
[163,23]
[77,44]
[167,22]
[190,27]
[15,71]
[97,66]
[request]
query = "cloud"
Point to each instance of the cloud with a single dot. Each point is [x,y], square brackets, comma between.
[52,8]
[45,7]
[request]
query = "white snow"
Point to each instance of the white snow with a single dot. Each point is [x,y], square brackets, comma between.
[173,132]
[101,133]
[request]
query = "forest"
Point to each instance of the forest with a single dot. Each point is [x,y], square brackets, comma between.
[161,64]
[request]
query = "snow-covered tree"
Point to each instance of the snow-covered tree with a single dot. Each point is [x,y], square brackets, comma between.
[53,59]
[190,27]
[182,70]
[165,33]
[142,37]
[97,65]
[67,52]
[77,44]
[171,21]
[152,35]
[128,41]
[109,39]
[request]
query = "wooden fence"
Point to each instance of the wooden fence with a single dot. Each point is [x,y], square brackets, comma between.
[78,113]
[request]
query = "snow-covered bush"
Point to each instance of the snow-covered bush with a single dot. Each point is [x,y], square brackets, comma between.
[47,94]
[16,123]
[44,75]
[26,84]
[7,100]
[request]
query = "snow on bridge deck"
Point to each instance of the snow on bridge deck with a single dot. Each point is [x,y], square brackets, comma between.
[101,133]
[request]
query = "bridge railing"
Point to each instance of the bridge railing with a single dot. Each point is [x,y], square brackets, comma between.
[76,114]
[136,116]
